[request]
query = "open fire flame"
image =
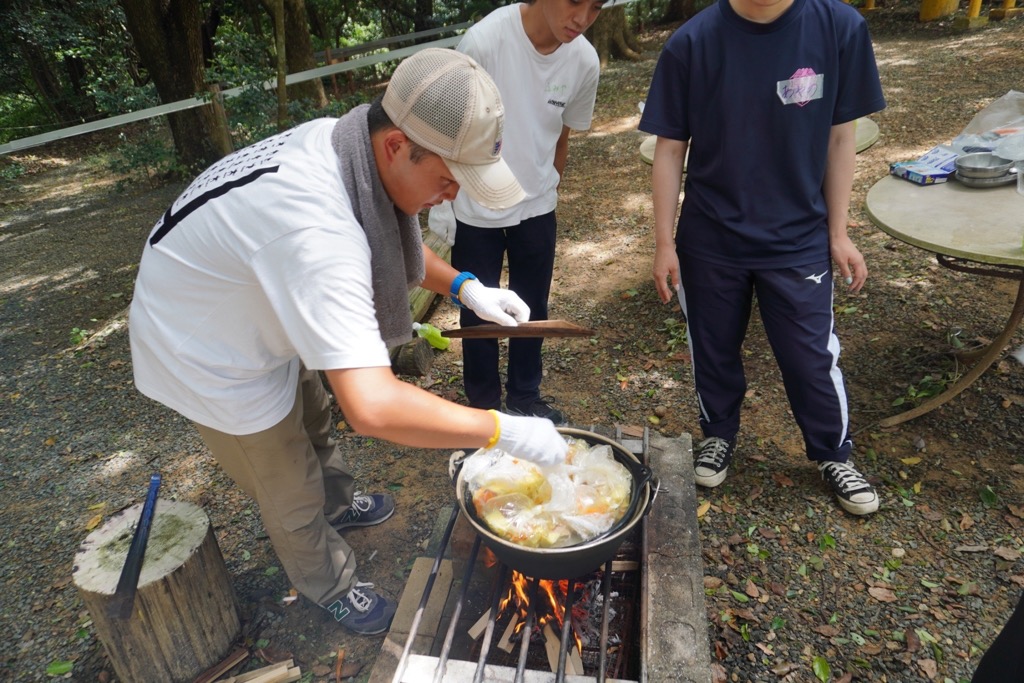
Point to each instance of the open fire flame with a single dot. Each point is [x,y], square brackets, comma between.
[552,596]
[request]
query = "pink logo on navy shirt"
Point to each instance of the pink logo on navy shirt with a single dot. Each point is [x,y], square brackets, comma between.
[802,87]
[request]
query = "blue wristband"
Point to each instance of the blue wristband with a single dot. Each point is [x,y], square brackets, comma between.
[457,286]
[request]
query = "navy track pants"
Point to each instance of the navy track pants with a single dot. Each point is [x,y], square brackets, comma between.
[796,309]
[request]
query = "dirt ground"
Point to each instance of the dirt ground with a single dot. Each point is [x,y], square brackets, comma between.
[796,590]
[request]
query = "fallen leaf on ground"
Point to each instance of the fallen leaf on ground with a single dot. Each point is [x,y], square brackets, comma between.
[1008,554]
[712,582]
[782,479]
[882,594]
[827,630]
[785,668]
[272,656]
[913,641]
[929,668]
[703,508]
[971,548]
[966,522]
[1016,510]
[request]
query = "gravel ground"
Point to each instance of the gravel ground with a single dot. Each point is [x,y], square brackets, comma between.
[914,593]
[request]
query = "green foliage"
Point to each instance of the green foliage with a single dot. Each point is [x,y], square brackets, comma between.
[148,156]
[20,117]
[821,668]
[926,388]
[10,171]
[676,331]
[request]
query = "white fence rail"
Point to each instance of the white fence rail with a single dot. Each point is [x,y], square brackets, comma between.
[180,105]
[298,77]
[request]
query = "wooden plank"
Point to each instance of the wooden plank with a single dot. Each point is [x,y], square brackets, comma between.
[532,328]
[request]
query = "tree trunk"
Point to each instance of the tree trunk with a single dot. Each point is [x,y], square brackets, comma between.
[299,50]
[168,38]
[282,65]
[185,614]
[612,37]
[424,16]
[48,87]
[679,10]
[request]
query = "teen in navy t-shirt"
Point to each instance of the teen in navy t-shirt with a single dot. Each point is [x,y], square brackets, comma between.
[764,94]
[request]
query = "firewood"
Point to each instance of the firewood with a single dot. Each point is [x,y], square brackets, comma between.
[506,638]
[222,667]
[254,675]
[477,629]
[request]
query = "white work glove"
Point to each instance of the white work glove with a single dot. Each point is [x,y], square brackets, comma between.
[531,438]
[502,306]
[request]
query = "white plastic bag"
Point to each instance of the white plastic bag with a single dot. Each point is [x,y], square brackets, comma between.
[998,128]
[549,507]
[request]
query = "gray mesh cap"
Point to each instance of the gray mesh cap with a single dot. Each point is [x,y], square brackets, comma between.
[445,102]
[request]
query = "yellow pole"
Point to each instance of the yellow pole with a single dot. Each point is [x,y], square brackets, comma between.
[974,9]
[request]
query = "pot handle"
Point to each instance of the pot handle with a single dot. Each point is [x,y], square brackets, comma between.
[642,475]
[455,461]
[655,487]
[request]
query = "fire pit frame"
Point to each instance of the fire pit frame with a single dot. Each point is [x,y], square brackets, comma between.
[674,643]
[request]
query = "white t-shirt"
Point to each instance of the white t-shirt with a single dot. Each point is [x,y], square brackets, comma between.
[541,93]
[258,264]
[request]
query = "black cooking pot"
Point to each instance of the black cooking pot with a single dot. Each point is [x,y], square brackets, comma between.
[575,560]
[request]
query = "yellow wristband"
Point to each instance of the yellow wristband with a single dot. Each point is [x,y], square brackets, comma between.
[497,430]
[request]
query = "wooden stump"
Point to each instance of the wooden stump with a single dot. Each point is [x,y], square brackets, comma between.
[413,359]
[185,616]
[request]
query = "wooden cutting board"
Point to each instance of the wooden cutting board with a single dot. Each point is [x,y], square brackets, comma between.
[533,328]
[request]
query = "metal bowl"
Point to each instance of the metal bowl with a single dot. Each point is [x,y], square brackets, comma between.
[982,165]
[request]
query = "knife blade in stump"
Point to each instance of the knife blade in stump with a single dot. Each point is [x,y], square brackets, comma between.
[121,604]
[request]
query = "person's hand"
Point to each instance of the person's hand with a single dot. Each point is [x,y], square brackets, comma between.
[531,438]
[502,306]
[666,272]
[852,267]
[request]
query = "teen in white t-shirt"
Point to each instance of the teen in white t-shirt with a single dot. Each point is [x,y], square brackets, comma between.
[547,73]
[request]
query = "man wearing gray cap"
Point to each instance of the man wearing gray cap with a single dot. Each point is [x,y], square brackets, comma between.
[296,255]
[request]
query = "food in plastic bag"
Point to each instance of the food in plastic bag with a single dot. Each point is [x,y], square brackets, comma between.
[549,507]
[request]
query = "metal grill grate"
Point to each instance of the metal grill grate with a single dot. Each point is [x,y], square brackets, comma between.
[616,652]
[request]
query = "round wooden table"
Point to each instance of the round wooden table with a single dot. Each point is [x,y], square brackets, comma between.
[970,230]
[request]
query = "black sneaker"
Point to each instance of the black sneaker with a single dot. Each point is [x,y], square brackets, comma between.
[363,611]
[366,510]
[712,462]
[855,494]
[540,407]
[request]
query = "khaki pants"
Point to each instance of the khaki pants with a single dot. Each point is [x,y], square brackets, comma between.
[295,473]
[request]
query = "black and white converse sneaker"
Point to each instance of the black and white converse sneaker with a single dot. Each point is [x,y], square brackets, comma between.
[855,494]
[712,462]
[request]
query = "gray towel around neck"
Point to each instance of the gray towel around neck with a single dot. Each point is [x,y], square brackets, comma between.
[396,242]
